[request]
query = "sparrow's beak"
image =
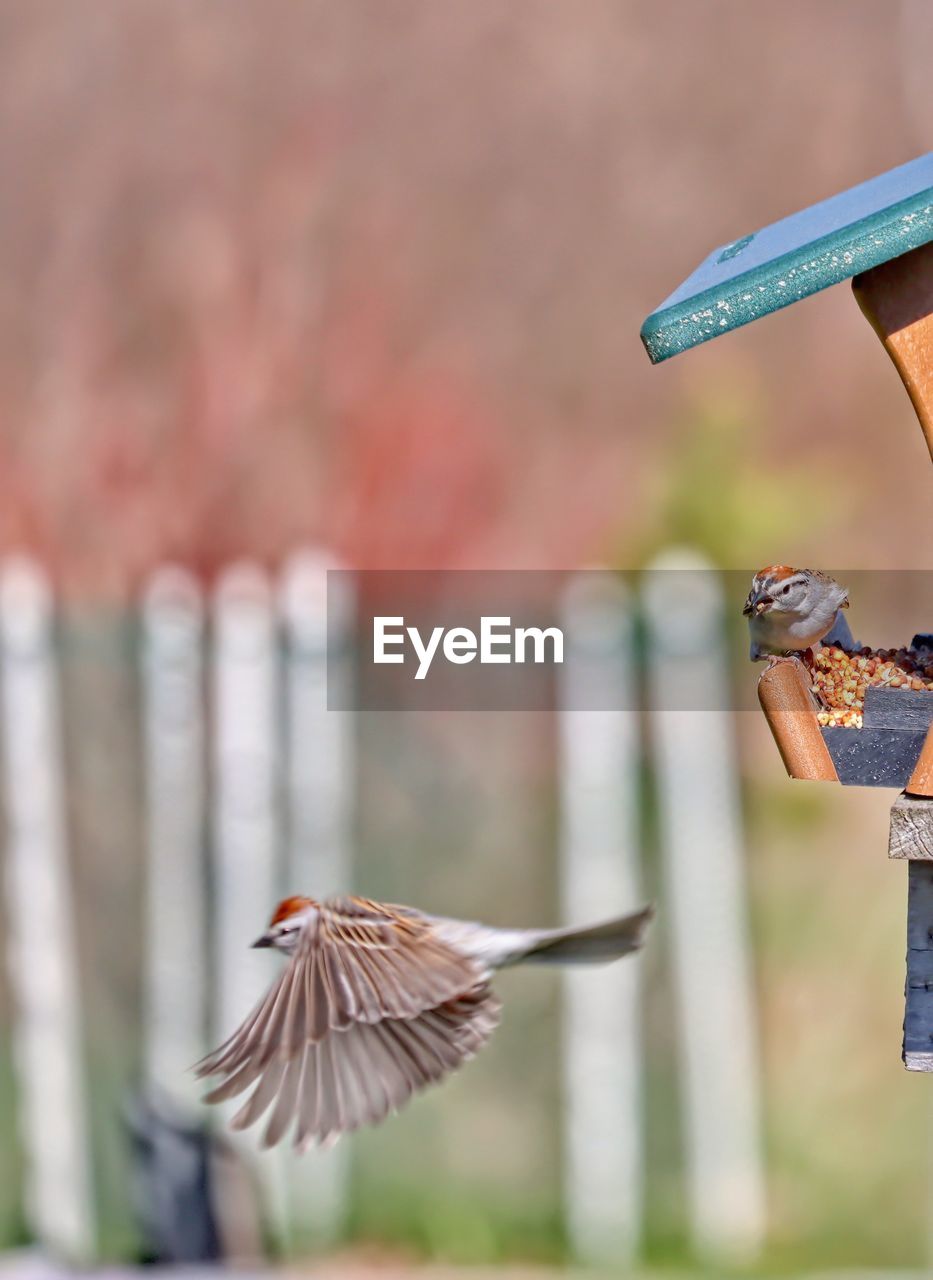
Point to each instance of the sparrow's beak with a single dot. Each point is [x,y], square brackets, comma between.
[758,602]
[265,940]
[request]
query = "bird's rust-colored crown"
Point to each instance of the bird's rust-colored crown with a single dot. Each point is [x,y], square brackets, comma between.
[776,572]
[290,907]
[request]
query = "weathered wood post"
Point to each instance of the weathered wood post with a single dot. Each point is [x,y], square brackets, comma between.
[911,839]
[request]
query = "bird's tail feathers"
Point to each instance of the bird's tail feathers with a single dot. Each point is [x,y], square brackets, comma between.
[593,944]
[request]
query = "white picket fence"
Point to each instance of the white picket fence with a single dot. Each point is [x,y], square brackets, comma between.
[259,649]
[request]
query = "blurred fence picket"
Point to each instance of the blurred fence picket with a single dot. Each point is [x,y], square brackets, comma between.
[699,817]
[320,768]
[320,794]
[41,951]
[270,775]
[176,887]
[246,836]
[599,872]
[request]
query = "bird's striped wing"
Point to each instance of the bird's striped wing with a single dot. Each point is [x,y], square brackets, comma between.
[360,1075]
[371,1007]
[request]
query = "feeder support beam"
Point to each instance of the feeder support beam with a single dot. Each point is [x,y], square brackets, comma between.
[897,299]
[911,839]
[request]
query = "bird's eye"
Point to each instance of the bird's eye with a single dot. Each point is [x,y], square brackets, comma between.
[785,590]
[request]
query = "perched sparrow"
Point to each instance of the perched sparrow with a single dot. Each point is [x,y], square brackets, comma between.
[790,610]
[377,1002]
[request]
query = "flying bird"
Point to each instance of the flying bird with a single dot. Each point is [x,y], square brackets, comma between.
[791,610]
[375,1003]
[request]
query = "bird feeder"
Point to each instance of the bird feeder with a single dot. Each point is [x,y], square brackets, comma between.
[880,235]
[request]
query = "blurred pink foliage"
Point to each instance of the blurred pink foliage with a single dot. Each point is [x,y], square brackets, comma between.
[202,393]
[372,275]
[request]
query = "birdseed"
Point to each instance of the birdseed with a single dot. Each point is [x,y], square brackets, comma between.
[841,679]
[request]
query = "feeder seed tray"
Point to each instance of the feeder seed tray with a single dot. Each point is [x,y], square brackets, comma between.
[892,748]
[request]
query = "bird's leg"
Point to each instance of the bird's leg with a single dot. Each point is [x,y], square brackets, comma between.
[775,659]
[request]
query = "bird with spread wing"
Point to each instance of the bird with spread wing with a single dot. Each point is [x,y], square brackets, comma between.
[377,1002]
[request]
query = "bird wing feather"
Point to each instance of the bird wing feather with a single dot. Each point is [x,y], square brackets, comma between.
[371,1007]
[357,1076]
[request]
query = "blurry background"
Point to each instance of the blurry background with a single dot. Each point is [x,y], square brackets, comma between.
[369,278]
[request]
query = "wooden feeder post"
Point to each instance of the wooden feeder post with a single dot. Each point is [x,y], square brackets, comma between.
[881,235]
[912,838]
[897,298]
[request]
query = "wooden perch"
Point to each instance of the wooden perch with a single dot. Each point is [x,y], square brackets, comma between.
[921,780]
[790,709]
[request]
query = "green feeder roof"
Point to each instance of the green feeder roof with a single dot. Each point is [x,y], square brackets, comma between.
[808,251]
